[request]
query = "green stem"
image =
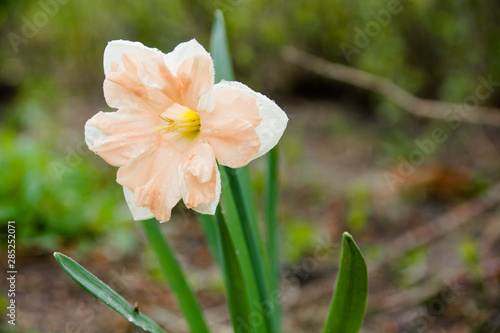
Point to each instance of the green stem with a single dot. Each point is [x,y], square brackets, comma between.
[173,272]
[272,222]
[251,239]
[209,225]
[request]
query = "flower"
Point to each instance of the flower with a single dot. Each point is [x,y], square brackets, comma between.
[173,125]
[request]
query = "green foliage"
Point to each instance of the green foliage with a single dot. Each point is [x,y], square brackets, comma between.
[359,206]
[299,239]
[412,267]
[469,252]
[348,307]
[56,197]
[105,294]
[424,46]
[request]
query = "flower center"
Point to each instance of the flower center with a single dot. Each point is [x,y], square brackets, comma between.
[187,123]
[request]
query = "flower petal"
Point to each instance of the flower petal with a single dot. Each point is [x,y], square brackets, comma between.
[274,120]
[229,125]
[139,213]
[197,77]
[200,178]
[118,137]
[183,75]
[153,72]
[154,179]
[123,89]
[183,51]
[92,134]
[115,49]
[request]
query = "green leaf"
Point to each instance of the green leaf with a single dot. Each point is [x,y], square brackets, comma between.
[219,49]
[238,203]
[349,300]
[173,272]
[104,293]
[253,246]
[230,211]
[237,293]
[249,195]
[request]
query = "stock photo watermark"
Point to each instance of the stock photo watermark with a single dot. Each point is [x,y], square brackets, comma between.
[73,158]
[422,319]
[454,118]
[11,272]
[363,36]
[31,25]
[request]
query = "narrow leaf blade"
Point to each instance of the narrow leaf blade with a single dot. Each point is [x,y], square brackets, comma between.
[237,292]
[104,293]
[253,246]
[349,301]
[219,49]
[230,211]
[172,270]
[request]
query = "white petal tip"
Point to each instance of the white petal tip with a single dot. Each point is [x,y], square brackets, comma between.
[92,134]
[274,119]
[115,48]
[182,51]
[139,213]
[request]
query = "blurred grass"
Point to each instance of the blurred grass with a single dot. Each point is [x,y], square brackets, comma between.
[54,208]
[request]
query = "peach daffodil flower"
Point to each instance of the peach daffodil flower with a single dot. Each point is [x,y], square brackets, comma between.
[173,125]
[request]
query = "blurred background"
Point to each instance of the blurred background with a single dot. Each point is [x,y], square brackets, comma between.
[419,194]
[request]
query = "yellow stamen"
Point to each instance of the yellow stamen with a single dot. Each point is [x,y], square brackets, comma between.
[188,124]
